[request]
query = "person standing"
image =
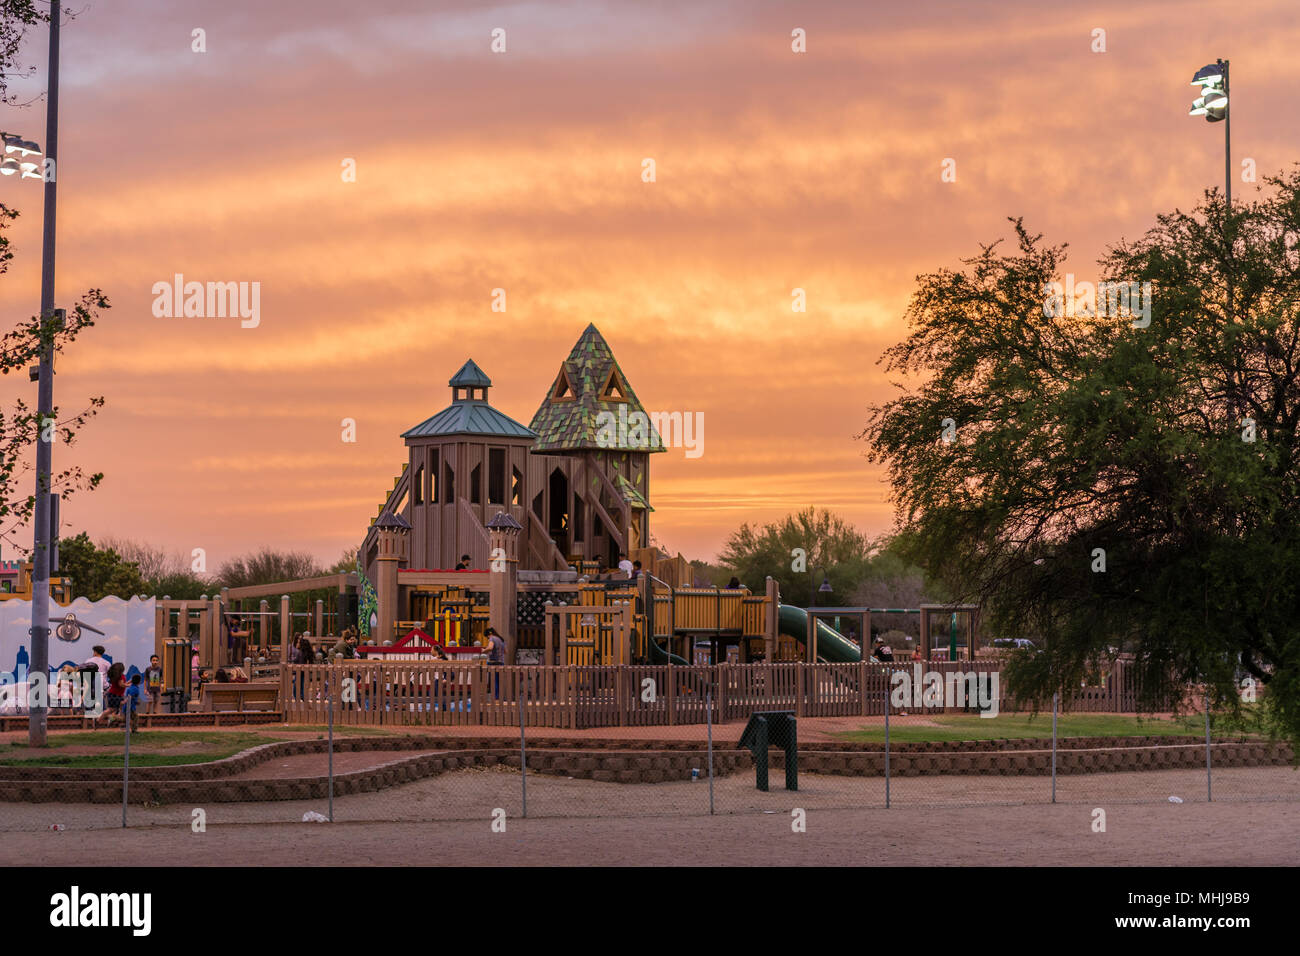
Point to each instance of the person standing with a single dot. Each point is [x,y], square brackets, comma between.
[97,661]
[116,690]
[496,657]
[153,682]
[625,565]
[131,702]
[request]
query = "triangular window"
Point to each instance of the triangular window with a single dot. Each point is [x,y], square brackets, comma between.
[563,391]
[614,390]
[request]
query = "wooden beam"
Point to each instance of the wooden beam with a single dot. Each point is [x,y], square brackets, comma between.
[624,508]
[323,582]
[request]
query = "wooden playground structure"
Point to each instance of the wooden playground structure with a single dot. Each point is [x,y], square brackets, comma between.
[494,524]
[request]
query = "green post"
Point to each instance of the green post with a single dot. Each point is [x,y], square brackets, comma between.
[952,638]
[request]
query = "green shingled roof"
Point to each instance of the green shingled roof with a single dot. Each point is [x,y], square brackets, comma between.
[571,424]
[631,495]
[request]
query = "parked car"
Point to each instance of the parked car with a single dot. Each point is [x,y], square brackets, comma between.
[1014,643]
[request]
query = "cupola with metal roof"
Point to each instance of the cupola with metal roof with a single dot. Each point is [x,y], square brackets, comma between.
[469,412]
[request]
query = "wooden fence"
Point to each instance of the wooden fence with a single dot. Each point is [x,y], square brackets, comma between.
[427,693]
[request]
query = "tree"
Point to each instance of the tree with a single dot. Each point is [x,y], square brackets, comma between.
[826,541]
[346,564]
[15,17]
[1096,480]
[22,346]
[154,562]
[892,581]
[98,572]
[165,573]
[267,566]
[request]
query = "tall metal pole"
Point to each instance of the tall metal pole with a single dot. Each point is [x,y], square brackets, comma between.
[40,656]
[1227,182]
[1227,137]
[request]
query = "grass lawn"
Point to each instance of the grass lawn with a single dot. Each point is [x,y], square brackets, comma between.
[1019,726]
[157,748]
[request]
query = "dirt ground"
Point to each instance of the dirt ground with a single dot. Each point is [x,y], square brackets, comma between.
[933,820]
[1215,834]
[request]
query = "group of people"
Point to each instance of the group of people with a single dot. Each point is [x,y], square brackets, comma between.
[631,568]
[303,651]
[121,696]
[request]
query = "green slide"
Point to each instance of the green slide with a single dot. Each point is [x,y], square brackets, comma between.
[831,644]
[659,656]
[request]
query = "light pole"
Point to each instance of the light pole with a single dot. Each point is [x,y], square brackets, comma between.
[825,586]
[1213,105]
[42,533]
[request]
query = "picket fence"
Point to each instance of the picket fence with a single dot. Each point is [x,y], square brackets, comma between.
[427,693]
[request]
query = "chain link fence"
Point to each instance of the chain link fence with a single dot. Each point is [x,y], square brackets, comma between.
[474,743]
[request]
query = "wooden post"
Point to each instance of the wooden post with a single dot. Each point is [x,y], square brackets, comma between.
[503,587]
[286,625]
[925,633]
[721,695]
[476,692]
[799,693]
[549,621]
[263,607]
[625,633]
[773,594]
[318,620]
[183,626]
[571,690]
[285,684]
[672,710]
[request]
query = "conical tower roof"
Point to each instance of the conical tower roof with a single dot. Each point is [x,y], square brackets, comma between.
[589,382]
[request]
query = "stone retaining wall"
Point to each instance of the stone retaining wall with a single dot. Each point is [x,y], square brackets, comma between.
[207,783]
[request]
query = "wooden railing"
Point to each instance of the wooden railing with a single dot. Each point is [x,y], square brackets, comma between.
[425,693]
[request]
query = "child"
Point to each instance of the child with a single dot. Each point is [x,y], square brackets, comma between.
[153,681]
[132,700]
[116,689]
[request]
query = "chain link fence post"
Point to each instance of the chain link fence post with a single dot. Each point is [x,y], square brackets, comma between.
[523,754]
[329,685]
[1056,708]
[708,717]
[126,769]
[887,684]
[1209,791]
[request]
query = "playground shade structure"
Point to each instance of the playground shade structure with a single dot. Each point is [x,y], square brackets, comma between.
[832,646]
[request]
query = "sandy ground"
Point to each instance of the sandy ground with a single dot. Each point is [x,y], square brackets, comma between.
[1152,835]
[473,794]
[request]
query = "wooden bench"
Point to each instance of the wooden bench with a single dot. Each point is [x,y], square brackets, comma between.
[250,696]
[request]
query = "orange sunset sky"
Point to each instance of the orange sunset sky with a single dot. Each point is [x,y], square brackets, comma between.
[522,171]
